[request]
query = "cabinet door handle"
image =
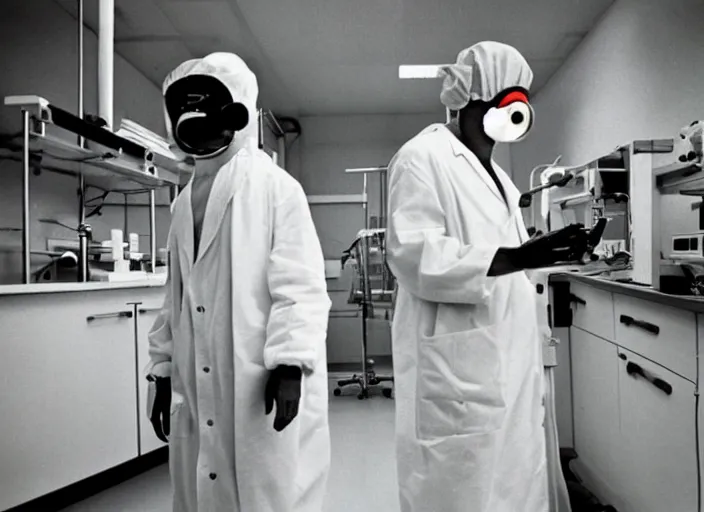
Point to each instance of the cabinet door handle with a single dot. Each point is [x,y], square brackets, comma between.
[143,311]
[636,369]
[646,326]
[574,298]
[118,314]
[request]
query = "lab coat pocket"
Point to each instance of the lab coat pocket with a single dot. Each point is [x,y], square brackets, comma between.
[460,384]
[181,423]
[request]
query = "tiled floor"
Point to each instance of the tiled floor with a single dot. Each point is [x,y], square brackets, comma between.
[363,474]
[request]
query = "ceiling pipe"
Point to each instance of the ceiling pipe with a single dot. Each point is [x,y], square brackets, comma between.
[106,53]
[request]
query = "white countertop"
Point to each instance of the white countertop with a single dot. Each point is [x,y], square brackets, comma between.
[152,281]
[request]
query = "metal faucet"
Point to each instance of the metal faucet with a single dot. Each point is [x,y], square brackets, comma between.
[85,235]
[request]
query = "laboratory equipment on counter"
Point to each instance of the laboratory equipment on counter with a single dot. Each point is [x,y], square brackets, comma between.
[599,189]
[110,160]
[687,246]
[533,186]
[667,182]
[555,180]
[59,261]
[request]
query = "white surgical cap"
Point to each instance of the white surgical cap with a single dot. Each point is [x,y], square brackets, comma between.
[481,72]
[234,73]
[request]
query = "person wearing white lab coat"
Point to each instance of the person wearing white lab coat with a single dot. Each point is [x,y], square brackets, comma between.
[466,343]
[245,317]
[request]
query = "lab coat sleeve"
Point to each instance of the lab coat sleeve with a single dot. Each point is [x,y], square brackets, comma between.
[298,321]
[161,343]
[424,259]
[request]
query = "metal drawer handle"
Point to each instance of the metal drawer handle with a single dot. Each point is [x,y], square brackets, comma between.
[143,311]
[119,314]
[574,298]
[634,369]
[646,326]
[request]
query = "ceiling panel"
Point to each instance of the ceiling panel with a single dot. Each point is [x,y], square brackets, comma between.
[340,56]
[321,57]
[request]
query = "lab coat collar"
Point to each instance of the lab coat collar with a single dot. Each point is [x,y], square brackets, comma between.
[182,227]
[460,150]
[226,184]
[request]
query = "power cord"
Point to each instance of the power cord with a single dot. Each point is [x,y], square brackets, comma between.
[697,442]
[697,434]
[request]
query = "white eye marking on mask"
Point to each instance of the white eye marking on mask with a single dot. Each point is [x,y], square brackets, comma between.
[511,120]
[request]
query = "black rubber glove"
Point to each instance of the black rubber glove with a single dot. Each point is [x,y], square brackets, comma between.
[564,245]
[284,389]
[161,410]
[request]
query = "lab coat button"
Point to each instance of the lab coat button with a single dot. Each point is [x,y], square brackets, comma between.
[210,423]
[213,476]
[206,369]
[200,309]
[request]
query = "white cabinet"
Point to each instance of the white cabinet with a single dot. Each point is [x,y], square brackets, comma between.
[661,333]
[563,388]
[145,319]
[595,368]
[593,310]
[635,408]
[659,461]
[67,392]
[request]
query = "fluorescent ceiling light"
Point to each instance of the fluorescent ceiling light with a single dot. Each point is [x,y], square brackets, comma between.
[418,71]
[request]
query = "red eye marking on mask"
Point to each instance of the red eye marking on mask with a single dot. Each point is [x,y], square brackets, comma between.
[513,97]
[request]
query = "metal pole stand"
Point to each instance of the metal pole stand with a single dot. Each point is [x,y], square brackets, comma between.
[368,378]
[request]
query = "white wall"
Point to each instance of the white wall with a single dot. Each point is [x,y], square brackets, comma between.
[38,55]
[637,75]
[327,147]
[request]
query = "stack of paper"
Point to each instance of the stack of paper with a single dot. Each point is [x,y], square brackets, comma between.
[140,135]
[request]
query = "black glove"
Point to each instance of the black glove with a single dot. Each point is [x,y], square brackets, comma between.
[564,245]
[284,388]
[160,415]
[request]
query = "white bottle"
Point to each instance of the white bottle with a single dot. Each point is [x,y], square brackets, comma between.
[134,245]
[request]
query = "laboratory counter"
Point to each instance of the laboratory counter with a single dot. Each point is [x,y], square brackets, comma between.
[628,394]
[692,303]
[73,356]
[152,281]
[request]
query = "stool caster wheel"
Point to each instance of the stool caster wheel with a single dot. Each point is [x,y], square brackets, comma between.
[337,392]
[362,395]
[388,392]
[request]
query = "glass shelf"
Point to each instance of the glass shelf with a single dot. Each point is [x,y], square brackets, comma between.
[104,167]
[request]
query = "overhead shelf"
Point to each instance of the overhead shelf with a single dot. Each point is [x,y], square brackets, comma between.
[677,177]
[107,158]
[677,168]
[101,166]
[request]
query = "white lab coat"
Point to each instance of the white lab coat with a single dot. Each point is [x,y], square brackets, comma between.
[255,298]
[466,347]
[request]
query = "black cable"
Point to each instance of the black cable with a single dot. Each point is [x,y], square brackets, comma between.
[73,173]
[11,136]
[40,153]
[56,170]
[697,442]
[104,156]
[290,144]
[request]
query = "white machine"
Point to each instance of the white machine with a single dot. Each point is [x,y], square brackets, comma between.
[666,183]
[687,246]
[584,194]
